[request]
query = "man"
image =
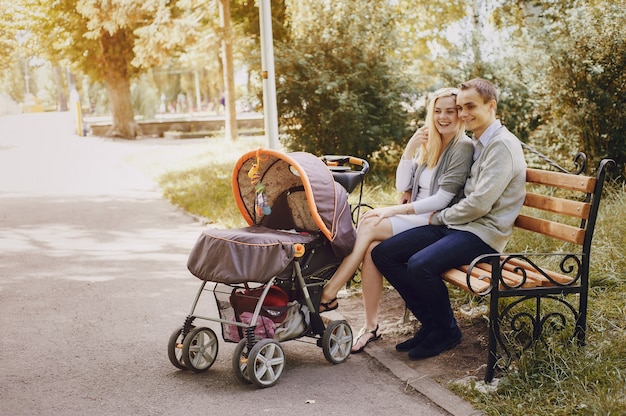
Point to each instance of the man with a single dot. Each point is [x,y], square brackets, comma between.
[481,223]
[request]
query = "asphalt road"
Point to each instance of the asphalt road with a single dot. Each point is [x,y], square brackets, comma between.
[93,281]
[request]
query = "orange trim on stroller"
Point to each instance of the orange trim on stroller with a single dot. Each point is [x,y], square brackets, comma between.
[303,176]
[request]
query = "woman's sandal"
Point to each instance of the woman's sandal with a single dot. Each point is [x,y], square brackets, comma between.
[326,306]
[365,331]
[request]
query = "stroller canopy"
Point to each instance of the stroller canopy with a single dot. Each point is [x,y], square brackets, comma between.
[293,191]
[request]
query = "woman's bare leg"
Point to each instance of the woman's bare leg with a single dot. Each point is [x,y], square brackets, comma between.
[367,233]
[372,286]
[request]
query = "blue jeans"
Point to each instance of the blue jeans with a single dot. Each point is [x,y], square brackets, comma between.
[413,261]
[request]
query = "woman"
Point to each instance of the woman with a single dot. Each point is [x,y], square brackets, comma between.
[429,180]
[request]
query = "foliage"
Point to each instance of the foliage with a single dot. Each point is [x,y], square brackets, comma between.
[578,79]
[192,190]
[346,74]
[338,88]
[427,34]
[9,43]
[182,27]
[246,14]
[191,179]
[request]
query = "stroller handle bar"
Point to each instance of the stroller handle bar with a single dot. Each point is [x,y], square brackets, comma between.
[339,163]
[343,173]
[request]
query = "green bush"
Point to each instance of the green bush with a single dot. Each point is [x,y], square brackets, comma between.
[340,91]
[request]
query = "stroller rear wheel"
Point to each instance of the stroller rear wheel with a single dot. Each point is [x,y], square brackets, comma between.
[200,349]
[337,341]
[266,363]
[175,349]
[240,362]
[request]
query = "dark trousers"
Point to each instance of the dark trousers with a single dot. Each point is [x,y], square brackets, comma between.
[413,261]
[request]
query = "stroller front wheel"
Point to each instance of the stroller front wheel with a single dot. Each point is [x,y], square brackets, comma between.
[266,363]
[175,349]
[240,362]
[200,349]
[337,341]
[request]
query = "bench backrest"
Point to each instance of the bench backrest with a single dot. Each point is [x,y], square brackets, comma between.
[558,205]
[566,196]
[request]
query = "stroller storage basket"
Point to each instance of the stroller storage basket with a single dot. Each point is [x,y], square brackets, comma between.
[237,304]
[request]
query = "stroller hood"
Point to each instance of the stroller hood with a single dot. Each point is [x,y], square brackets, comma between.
[293,191]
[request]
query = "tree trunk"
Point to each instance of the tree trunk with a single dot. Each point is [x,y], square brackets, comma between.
[62,97]
[230,112]
[116,61]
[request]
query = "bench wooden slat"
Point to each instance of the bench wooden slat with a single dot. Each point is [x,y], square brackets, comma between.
[511,278]
[558,277]
[575,209]
[458,279]
[481,282]
[563,232]
[561,180]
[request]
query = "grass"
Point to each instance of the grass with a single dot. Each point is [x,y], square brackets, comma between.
[196,175]
[554,380]
[561,379]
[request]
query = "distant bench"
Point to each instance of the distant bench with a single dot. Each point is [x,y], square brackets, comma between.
[558,205]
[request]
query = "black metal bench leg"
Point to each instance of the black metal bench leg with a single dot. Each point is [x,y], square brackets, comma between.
[581,321]
[494,328]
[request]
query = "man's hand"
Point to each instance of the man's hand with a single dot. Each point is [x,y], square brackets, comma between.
[405,198]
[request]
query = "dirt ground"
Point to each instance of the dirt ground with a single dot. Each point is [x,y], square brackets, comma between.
[467,359]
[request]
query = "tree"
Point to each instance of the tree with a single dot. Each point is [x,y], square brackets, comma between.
[96,39]
[8,32]
[339,88]
[108,42]
[229,76]
[576,75]
[587,80]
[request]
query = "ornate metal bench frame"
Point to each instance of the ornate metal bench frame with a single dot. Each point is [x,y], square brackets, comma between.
[518,275]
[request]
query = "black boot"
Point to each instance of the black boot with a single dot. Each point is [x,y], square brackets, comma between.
[436,342]
[411,343]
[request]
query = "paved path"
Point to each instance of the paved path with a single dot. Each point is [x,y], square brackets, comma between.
[93,281]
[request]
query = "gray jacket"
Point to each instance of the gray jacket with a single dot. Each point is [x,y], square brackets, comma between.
[450,173]
[494,193]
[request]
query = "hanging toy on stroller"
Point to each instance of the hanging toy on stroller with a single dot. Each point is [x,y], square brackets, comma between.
[267,278]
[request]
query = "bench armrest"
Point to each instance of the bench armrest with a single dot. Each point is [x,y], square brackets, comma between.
[520,270]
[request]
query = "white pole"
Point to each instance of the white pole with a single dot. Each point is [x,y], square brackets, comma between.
[270,112]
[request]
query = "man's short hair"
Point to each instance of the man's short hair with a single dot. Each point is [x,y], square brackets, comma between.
[485,88]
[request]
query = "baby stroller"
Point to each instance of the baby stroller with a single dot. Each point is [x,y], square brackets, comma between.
[267,278]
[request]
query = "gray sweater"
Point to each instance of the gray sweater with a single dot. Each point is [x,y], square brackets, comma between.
[494,192]
[450,173]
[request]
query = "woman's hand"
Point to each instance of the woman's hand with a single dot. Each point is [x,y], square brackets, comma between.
[378,214]
[419,138]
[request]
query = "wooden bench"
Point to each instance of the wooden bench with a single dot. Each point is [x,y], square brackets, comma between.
[558,205]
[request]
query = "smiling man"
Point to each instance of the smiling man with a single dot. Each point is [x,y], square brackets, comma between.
[481,223]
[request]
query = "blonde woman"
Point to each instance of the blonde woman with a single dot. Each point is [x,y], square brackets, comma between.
[431,173]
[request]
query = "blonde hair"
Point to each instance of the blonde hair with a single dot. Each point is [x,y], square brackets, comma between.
[430,152]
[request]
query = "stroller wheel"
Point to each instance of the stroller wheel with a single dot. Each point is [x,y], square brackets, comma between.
[266,363]
[200,349]
[337,341]
[240,362]
[175,349]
